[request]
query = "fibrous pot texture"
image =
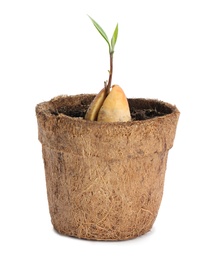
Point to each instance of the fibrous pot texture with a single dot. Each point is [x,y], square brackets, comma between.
[104,180]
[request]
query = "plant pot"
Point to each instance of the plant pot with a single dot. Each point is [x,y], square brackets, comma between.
[104,180]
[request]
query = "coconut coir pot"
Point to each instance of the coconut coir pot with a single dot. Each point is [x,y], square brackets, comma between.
[105,180]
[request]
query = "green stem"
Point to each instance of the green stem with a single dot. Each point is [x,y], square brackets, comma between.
[108,87]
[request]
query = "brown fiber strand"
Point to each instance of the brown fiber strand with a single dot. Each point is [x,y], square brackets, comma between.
[104,180]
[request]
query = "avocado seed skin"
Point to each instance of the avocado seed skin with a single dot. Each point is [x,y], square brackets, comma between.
[115,108]
[95,106]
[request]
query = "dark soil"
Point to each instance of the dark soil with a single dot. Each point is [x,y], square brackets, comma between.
[143,114]
[140,109]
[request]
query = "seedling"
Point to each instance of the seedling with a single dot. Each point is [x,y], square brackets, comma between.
[109,105]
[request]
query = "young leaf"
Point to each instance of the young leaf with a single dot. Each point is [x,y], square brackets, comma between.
[114,38]
[101,31]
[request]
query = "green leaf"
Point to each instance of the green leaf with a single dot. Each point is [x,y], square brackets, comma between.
[101,31]
[114,38]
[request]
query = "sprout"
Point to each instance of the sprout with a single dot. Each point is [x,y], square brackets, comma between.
[111,46]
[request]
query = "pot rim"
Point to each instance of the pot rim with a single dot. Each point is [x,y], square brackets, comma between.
[47,109]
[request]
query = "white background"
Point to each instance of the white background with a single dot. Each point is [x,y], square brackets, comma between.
[163,51]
